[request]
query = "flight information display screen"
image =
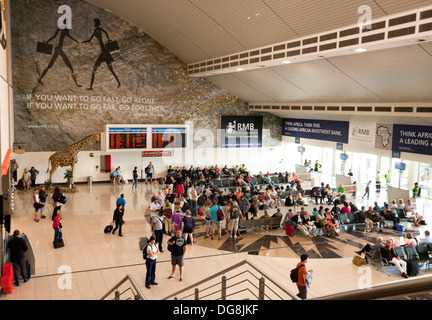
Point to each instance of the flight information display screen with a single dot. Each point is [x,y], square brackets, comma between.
[168,138]
[127,138]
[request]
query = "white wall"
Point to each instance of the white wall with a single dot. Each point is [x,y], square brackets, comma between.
[255,159]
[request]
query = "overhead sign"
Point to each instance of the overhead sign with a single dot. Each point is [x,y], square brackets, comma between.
[241,131]
[362,133]
[414,139]
[328,130]
[156,153]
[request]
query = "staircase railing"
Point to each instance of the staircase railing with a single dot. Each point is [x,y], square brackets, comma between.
[243,280]
[406,288]
[130,292]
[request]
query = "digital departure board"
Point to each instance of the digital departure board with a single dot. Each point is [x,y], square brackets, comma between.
[128,138]
[168,138]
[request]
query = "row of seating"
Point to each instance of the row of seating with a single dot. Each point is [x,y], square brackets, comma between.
[268,223]
[421,254]
[352,220]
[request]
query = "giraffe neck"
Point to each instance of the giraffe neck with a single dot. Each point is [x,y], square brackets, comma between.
[76,147]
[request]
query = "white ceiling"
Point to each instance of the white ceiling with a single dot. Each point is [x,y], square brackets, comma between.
[197,30]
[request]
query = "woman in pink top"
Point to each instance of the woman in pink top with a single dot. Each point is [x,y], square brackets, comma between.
[346,208]
[410,242]
[56,224]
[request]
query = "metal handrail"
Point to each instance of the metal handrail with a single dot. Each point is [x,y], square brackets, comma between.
[235,266]
[137,296]
[412,286]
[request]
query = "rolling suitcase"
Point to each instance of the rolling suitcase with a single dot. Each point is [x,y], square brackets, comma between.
[412,268]
[58,244]
[108,228]
[289,230]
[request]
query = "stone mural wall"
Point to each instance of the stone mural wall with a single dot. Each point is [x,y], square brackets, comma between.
[78,87]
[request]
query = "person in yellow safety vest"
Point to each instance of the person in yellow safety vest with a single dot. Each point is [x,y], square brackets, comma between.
[416,191]
[317,166]
[388,178]
[378,182]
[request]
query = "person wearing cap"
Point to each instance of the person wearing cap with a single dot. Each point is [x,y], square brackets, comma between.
[17,247]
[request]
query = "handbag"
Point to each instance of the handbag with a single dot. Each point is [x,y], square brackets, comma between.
[121,222]
[37,205]
[112,46]
[44,47]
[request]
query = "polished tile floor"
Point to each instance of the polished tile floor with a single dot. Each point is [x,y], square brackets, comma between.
[95,262]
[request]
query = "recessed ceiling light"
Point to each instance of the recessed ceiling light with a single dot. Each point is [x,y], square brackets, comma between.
[239,69]
[286,61]
[360,50]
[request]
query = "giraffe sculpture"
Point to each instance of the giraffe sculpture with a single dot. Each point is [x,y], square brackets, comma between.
[69,157]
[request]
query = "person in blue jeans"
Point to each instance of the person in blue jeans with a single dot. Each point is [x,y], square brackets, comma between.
[135,177]
[152,251]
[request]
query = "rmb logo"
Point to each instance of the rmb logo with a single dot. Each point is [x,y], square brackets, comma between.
[231,128]
[234,127]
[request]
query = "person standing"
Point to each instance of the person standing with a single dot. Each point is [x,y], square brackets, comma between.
[152,251]
[58,235]
[149,170]
[33,174]
[188,226]
[17,247]
[118,219]
[14,169]
[158,222]
[26,179]
[135,178]
[177,246]
[416,190]
[194,201]
[367,190]
[37,204]
[121,201]
[56,198]
[42,197]
[378,182]
[216,223]
[168,209]
[302,272]
[388,178]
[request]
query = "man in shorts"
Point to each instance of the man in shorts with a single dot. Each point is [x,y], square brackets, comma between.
[177,247]
[216,224]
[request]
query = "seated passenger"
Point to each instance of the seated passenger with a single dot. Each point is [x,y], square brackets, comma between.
[410,241]
[346,208]
[411,213]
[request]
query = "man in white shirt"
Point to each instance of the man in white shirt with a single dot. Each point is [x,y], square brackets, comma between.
[155,206]
[427,239]
[411,213]
[158,228]
[194,199]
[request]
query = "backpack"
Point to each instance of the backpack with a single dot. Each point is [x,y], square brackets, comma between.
[294,273]
[168,213]
[185,207]
[235,213]
[220,215]
[62,199]
[145,253]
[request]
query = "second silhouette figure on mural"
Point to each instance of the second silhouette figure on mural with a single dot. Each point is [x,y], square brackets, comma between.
[105,55]
[58,51]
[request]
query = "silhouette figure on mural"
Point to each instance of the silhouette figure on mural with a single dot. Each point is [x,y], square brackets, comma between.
[105,56]
[58,51]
